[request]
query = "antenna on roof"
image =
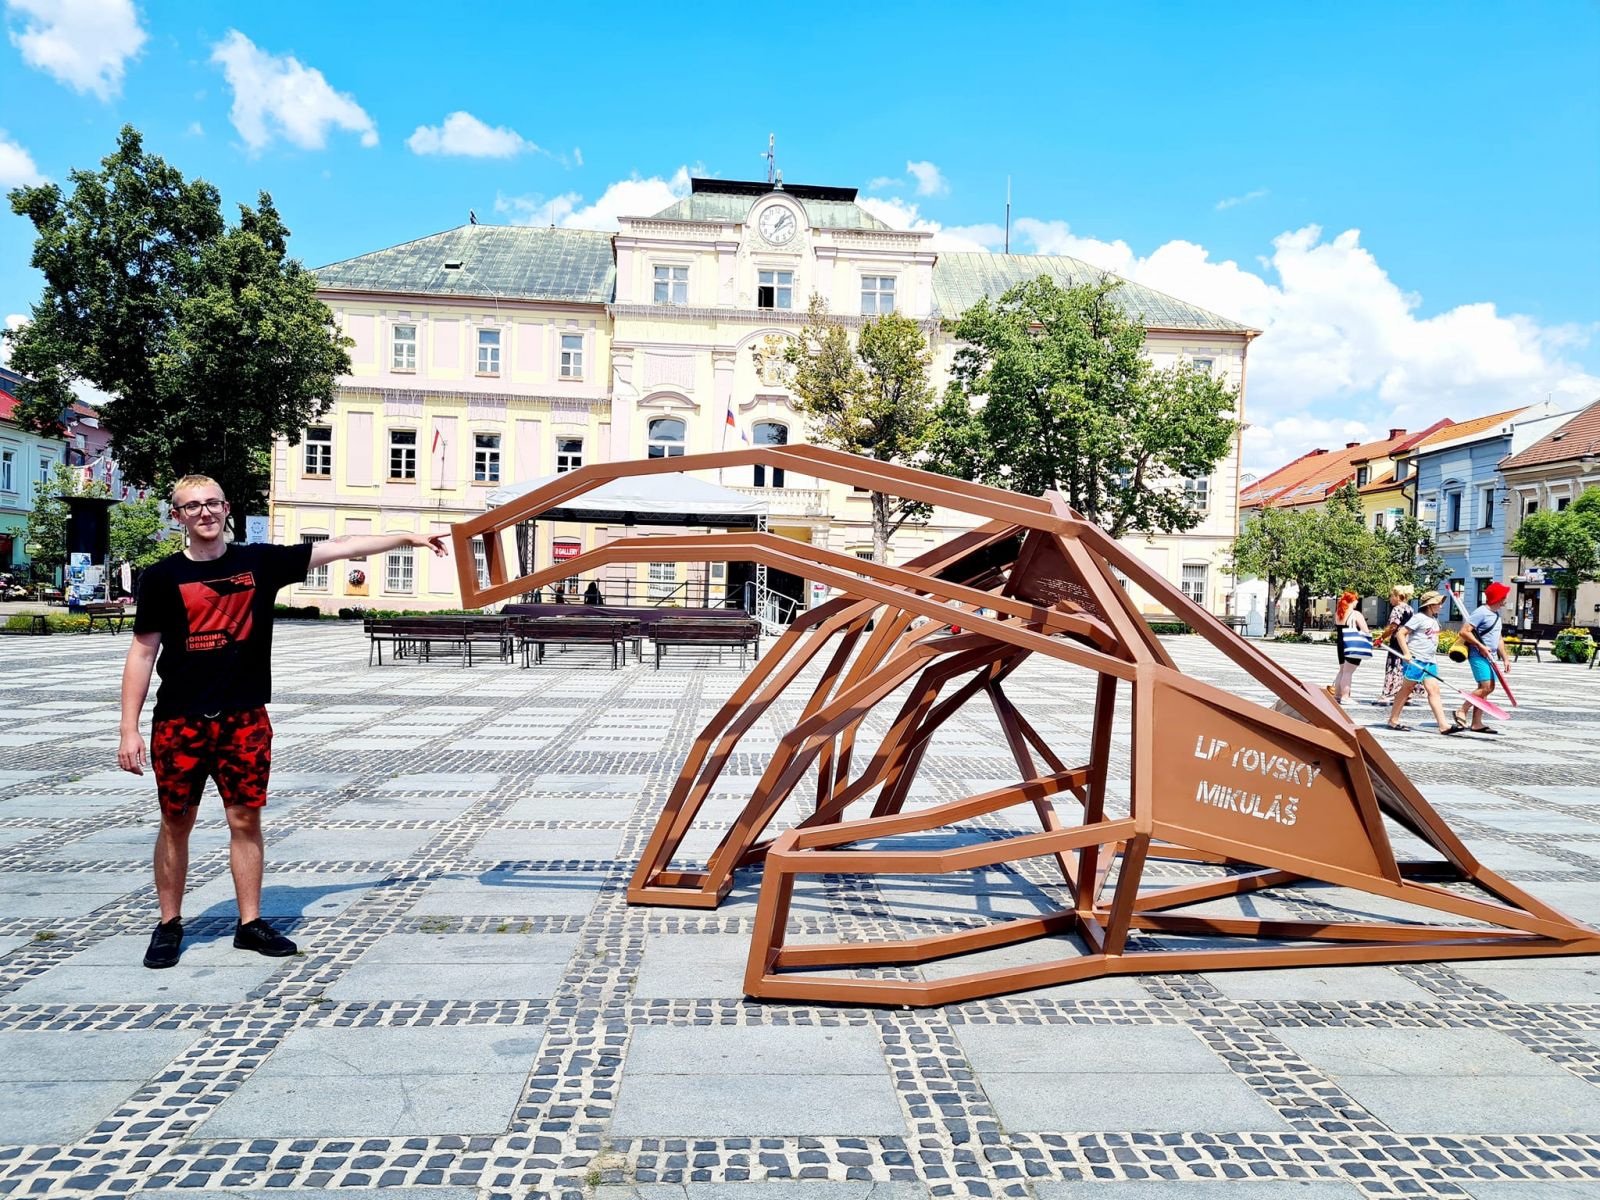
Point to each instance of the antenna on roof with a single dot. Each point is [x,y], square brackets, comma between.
[472,217]
[1008,214]
[772,158]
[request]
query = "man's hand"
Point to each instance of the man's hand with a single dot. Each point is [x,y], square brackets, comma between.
[131,756]
[434,542]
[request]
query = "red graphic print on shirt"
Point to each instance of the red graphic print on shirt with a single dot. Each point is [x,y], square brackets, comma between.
[219,611]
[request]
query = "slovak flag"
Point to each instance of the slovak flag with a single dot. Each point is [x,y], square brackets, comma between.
[734,425]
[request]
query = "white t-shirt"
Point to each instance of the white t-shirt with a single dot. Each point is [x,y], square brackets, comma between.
[1422,637]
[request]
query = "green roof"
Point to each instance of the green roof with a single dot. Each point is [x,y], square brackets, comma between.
[733,207]
[515,261]
[961,280]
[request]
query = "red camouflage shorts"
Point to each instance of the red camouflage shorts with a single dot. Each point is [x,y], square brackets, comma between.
[234,748]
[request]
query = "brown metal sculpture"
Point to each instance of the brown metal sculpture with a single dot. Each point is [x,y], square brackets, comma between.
[1266,796]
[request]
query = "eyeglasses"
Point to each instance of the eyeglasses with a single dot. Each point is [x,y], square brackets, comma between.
[194,507]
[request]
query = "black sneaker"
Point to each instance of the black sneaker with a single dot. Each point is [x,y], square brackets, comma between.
[263,939]
[165,943]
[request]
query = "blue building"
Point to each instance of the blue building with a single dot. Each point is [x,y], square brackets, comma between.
[1461,495]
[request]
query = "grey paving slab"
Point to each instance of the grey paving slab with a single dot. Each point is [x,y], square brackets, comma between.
[403,1051]
[372,845]
[382,1193]
[87,1055]
[562,783]
[517,845]
[721,1105]
[1535,1189]
[686,965]
[137,843]
[401,808]
[471,948]
[64,806]
[755,1050]
[463,981]
[1196,1189]
[40,894]
[1538,981]
[199,978]
[1319,984]
[1096,1049]
[1577,796]
[511,892]
[1505,1104]
[571,808]
[278,1106]
[442,781]
[285,894]
[1139,1101]
[780,1189]
[59,1111]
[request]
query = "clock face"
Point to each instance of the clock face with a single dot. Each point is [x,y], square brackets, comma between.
[777,225]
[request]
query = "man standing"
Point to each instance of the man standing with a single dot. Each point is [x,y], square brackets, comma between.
[208,612]
[1480,630]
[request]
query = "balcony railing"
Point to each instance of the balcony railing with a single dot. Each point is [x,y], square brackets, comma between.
[789,502]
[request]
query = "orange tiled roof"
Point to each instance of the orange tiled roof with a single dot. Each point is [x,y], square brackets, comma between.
[1578,437]
[1314,476]
[1461,429]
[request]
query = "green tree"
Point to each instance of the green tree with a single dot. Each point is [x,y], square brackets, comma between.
[141,534]
[209,340]
[1566,543]
[1275,545]
[1412,556]
[1061,396]
[870,397]
[47,521]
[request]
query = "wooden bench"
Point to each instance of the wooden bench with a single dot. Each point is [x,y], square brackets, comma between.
[533,634]
[110,615]
[417,637]
[39,623]
[1532,640]
[719,633]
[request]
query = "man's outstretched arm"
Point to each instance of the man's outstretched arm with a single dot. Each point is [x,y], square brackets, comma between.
[351,546]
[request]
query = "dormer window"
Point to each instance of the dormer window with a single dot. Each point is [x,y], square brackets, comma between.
[454,264]
[1363,474]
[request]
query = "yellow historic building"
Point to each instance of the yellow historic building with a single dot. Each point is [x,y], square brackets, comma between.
[488,355]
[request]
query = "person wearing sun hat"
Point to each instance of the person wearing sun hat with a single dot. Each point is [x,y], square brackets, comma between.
[1417,642]
[1480,630]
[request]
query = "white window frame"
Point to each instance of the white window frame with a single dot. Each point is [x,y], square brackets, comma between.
[1208,365]
[669,283]
[46,465]
[781,281]
[664,447]
[760,472]
[1186,584]
[568,458]
[1197,493]
[400,572]
[571,356]
[403,350]
[8,470]
[662,579]
[480,562]
[318,453]
[1486,501]
[485,458]
[317,576]
[488,360]
[407,456]
[879,288]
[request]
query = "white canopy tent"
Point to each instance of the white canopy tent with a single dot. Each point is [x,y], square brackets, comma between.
[667,499]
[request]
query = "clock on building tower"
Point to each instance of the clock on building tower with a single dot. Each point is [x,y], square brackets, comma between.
[777,224]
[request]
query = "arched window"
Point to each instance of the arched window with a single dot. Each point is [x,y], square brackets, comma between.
[666,437]
[770,433]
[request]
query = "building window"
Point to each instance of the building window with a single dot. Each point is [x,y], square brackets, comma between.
[403,356]
[672,285]
[319,451]
[486,458]
[867,555]
[1362,475]
[1530,508]
[770,433]
[666,437]
[316,577]
[1377,521]
[775,289]
[1452,512]
[8,470]
[1194,582]
[1207,365]
[1402,470]
[569,454]
[399,571]
[877,294]
[1561,504]
[663,579]
[46,465]
[402,454]
[1197,493]
[480,562]
[1486,500]
[488,352]
[572,356]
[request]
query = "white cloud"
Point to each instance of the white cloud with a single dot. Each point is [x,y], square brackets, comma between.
[881,183]
[1235,201]
[631,197]
[930,182]
[1342,345]
[86,44]
[278,95]
[463,135]
[17,168]
[577,155]
[195,129]
[903,214]
[13,321]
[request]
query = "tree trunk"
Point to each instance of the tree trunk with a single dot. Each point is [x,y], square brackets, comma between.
[880,528]
[1302,609]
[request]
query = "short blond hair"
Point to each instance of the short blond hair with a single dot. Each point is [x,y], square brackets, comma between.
[1404,590]
[195,481]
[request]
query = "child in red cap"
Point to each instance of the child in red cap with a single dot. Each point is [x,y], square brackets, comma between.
[1480,630]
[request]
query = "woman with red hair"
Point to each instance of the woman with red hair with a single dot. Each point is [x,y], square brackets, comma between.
[1353,641]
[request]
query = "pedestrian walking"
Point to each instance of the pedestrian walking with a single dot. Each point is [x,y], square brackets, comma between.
[1400,611]
[1353,641]
[1481,630]
[1418,642]
[204,625]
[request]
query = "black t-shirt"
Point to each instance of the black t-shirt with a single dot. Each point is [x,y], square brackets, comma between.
[215,622]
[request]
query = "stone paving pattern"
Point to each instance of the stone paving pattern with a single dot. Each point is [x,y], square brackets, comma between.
[477,1012]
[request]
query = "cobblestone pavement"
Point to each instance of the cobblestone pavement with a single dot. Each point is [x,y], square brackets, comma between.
[477,1012]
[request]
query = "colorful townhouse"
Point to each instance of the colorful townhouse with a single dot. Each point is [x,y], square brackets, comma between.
[489,355]
[1547,474]
[1453,477]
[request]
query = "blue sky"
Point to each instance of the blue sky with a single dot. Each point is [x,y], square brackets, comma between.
[1406,199]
